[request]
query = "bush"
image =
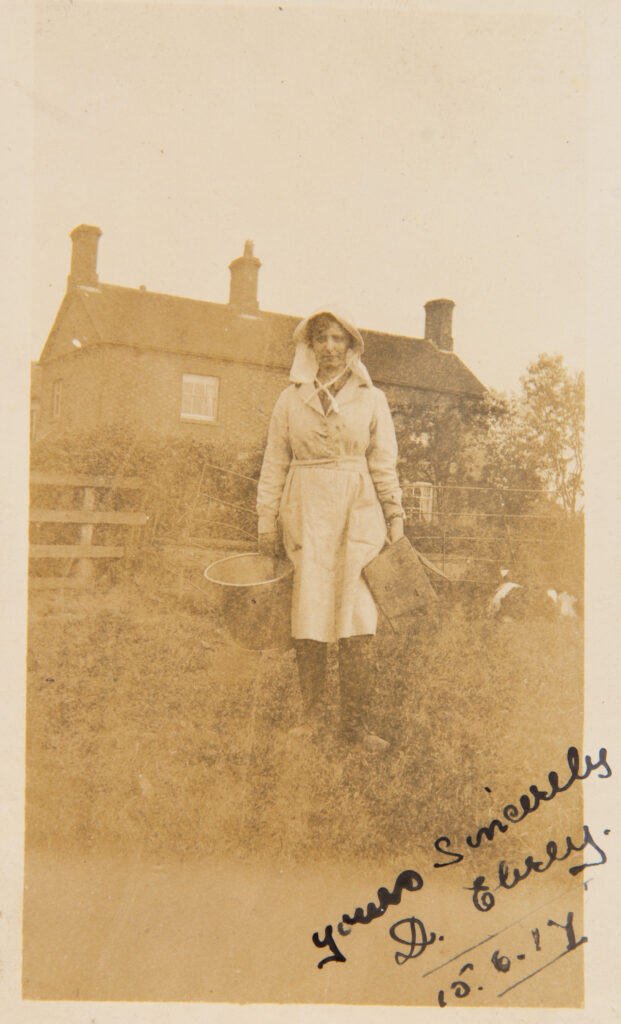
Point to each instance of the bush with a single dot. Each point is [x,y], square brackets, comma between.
[190,489]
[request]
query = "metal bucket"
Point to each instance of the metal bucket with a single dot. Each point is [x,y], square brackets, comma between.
[254,597]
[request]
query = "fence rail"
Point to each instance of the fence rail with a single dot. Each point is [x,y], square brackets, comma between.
[86,518]
[52,479]
[81,516]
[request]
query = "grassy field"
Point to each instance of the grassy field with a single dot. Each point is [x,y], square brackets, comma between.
[149,729]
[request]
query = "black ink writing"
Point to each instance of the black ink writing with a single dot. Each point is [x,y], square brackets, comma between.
[509,878]
[529,802]
[460,988]
[506,881]
[409,881]
[416,940]
[328,940]
[501,963]
[456,857]
[569,931]
[488,831]
[482,898]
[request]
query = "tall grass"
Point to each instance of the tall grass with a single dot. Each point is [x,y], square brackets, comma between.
[148,729]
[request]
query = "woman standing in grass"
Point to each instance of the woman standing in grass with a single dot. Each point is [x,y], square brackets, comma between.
[329,478]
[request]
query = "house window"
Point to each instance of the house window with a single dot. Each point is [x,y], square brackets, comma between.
[57,394]
[199,398]
[421,500]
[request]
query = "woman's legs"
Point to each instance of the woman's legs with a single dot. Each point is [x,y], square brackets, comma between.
[312,661]
[357,676]
[357,679]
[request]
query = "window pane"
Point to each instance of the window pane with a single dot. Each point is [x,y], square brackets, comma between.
[199,397]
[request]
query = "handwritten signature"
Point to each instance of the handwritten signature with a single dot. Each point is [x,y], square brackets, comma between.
[528,804]
[483,897]
[484,900]
[409,880]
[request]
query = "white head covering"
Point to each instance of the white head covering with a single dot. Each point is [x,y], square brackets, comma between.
[304,368]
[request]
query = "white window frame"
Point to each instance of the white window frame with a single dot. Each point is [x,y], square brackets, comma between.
[200,379]
[57,398]
[421,500]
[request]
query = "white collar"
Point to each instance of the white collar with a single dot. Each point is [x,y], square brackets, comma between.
[304,368]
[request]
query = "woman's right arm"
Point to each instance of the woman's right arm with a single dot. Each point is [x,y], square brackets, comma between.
[274,470]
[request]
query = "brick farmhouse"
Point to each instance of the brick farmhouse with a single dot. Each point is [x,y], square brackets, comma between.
[155,363]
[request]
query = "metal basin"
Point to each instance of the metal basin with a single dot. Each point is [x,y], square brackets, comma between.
[254,597]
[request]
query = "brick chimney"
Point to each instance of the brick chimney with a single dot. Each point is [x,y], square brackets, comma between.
[244,281]
[84,256]
[439,323]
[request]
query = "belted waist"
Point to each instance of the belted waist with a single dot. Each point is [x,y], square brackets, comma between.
[335,462]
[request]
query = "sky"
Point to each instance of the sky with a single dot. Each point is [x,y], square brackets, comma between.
[377,159]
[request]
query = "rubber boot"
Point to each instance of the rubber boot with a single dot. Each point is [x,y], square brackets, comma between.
[312,661]
[357,676]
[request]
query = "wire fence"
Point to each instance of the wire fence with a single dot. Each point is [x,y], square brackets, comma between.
[466,530]
[193,496]
[474,530]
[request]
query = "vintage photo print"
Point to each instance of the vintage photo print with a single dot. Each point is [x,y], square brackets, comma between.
[306,720]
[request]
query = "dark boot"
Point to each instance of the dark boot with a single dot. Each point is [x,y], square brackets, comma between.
[357,677]
[312,662]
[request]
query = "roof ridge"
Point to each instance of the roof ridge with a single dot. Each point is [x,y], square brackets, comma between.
[164,295]
[188,298]
[389,334]
[145,319]
[265,312]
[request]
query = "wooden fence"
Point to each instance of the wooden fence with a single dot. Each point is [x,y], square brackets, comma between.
[84,518]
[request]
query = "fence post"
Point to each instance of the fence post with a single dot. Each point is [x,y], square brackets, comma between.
[85,565]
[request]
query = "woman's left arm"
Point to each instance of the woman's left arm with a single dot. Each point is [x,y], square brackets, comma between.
[382,462]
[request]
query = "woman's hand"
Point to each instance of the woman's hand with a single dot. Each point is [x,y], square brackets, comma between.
[268,543]
[395,529]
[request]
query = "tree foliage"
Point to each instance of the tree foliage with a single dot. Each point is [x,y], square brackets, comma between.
[552,418]
[527,445]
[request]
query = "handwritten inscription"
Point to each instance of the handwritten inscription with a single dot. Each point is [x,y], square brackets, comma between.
[411,933]
[528,804]
[414,936]
[502,963]
[509,878]
[409,880]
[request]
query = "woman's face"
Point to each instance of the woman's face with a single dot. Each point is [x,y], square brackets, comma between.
[330,343]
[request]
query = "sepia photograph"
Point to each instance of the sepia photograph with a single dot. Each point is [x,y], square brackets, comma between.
[305,673]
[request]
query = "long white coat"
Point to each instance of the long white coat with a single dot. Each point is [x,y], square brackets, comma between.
[329,478]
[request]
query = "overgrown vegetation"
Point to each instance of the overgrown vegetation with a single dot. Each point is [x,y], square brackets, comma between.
[507,476]
[189,489]
[148,729]
[529,444]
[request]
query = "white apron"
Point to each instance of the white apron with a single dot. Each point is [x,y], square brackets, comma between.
[326,477]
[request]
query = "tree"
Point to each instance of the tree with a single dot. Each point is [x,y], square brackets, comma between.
[552,416]
[527,447]
[508,463]
[438,440]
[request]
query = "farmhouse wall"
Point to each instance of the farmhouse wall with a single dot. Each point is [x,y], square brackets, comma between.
[141,390]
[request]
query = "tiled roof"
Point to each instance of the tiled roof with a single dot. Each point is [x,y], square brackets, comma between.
[167,323]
